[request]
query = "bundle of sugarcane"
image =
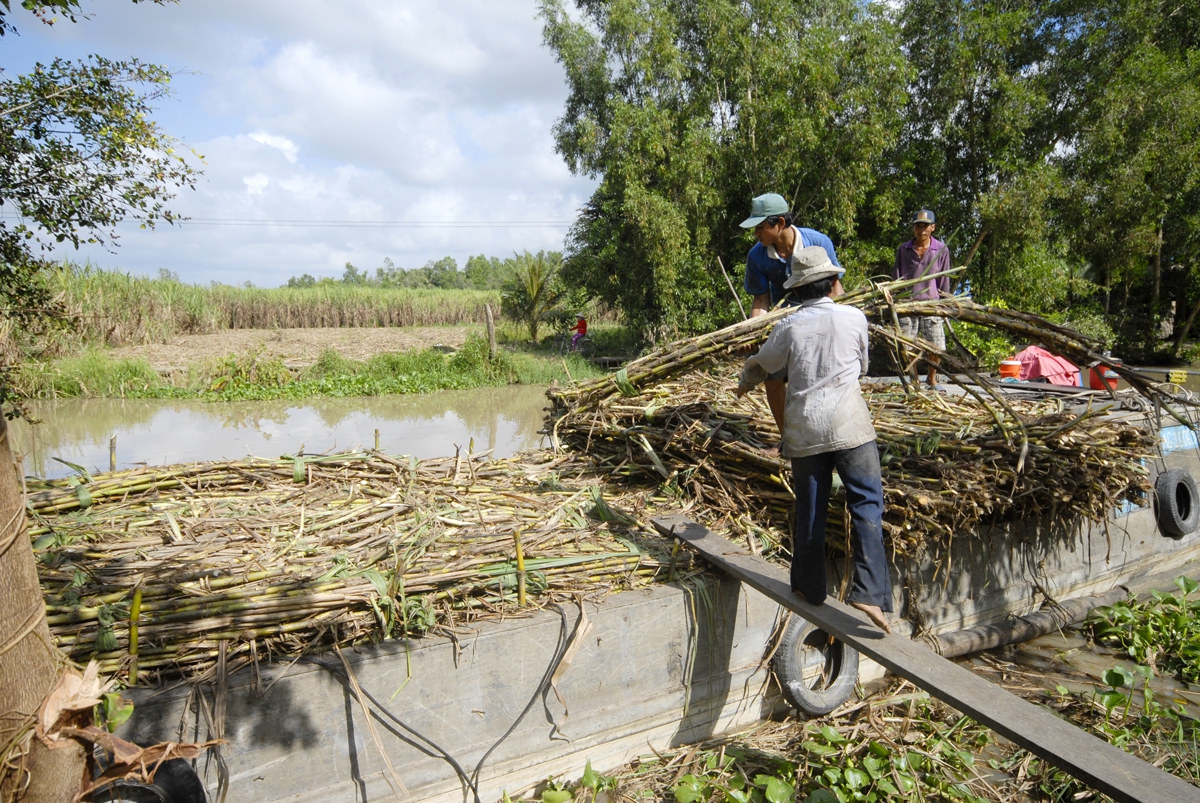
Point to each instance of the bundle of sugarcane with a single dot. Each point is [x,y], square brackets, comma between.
[947,467]
[880,303]
[271,556]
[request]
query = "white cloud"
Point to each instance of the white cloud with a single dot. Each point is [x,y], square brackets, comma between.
[421,111]
[256,184]
[281,144]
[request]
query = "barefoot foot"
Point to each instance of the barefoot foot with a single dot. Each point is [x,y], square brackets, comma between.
[875,614]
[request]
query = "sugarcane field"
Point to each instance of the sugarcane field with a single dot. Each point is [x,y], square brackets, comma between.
[620,401]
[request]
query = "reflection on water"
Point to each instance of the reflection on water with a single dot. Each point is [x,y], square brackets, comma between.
[506,419]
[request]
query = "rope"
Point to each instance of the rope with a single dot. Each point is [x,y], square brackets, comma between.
[18,514]
[34,619]
[13,527]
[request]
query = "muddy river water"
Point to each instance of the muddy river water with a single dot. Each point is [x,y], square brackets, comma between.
[156,432]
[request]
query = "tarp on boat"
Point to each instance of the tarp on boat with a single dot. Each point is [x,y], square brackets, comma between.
[1037,363]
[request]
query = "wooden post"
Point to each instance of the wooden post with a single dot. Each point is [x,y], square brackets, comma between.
[491,331]
[112,453]
[377,440]
[520,569]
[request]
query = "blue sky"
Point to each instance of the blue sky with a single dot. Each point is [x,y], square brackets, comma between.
[416,112]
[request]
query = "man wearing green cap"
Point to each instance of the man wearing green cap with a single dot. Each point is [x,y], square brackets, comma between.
[823,348]
[767,269]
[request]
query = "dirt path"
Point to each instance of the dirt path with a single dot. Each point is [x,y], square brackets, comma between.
[294,345]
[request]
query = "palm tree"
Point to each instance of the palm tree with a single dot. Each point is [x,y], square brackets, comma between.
[532,289]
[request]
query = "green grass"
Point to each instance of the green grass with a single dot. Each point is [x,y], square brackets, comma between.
[252,377]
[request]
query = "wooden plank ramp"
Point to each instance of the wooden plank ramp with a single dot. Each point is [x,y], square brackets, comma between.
[1109,769]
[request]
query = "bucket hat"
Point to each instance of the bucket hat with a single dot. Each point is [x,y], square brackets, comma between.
[763,207]
[811,265]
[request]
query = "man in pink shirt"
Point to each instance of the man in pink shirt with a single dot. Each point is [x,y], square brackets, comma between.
[924,256]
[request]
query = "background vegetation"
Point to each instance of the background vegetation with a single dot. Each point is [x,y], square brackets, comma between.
[115,309]
[1058,142]
[254,376]
[107,308]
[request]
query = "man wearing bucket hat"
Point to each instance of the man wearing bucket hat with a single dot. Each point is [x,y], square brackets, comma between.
[767,269]
[924,256]
[823,348]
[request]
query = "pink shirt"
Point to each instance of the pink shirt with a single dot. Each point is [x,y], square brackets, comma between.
[936,261]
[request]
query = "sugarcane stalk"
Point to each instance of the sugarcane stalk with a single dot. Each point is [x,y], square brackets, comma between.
[520,568]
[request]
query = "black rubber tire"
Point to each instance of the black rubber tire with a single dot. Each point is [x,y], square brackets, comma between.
[817,675]
[1178,502]
[174,782]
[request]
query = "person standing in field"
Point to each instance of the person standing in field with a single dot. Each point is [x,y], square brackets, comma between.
[924,256]
[822,347]
[767,269]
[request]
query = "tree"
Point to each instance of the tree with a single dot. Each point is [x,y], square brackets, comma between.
[444,274]
[1134,172]
[686,110]
[353,275]
[533,289]
[485,273]
[78,154]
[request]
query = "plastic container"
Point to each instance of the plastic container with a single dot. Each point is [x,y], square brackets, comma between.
[1010,369]
[1101,377]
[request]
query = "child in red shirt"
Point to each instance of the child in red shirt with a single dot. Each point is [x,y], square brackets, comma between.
[580,330]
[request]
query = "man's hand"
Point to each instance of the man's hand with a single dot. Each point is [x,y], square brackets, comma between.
[741,390]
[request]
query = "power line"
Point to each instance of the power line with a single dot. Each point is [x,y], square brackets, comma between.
[372,224]
[389,224]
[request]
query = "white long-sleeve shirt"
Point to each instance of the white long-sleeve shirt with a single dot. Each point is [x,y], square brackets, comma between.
[824,347]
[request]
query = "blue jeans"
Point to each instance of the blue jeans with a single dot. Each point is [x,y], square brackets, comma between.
[811,480]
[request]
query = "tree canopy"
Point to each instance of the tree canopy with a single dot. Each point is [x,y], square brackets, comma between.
[79,153]
[1056,140]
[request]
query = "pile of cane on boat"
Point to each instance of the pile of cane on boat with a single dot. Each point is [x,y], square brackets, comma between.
[951,461]
[162,570]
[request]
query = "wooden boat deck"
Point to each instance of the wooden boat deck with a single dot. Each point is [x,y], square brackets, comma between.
[1109,769]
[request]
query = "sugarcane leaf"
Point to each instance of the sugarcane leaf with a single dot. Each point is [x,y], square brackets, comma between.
[377,581]
[649,450]
[87,475]
[621,378]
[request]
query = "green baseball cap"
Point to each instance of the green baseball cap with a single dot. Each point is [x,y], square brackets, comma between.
[763,207]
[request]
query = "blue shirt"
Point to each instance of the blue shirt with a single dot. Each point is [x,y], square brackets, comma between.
[766,272]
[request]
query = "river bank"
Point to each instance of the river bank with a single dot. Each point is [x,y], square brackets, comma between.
[260,373]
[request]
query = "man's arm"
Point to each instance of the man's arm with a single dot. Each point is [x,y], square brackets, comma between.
[770,358]
[761,305]
[864,341]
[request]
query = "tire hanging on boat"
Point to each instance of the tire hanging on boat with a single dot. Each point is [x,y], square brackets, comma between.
[1178,503]
[817,672]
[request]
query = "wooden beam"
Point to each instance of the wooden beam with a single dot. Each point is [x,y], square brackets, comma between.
[1109,769]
